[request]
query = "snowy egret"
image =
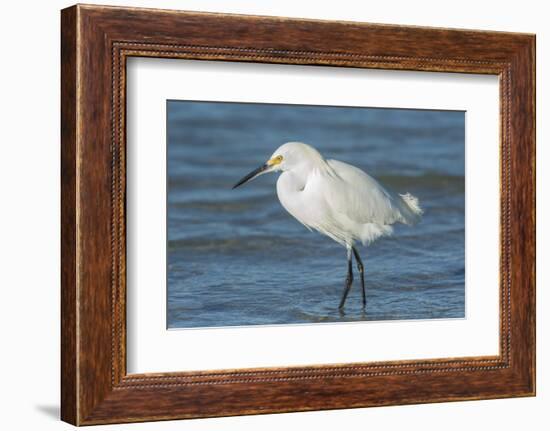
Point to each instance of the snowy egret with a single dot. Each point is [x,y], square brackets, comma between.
[336,199]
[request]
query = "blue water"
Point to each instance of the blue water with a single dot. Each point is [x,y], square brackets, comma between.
[235,257]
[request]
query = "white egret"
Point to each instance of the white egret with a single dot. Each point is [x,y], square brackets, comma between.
[336,199]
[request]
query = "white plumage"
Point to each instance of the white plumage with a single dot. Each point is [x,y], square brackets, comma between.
[335,198]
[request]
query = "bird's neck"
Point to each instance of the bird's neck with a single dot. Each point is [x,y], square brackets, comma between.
[303,171]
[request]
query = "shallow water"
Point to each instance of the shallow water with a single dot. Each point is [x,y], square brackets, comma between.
[235,257]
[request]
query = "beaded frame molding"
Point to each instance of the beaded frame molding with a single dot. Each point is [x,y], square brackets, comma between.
[95,43]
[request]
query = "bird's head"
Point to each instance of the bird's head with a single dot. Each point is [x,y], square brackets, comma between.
[286,157]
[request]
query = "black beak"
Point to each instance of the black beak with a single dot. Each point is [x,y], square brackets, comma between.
[252,175]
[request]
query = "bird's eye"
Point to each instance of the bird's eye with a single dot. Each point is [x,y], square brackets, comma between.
[275,161]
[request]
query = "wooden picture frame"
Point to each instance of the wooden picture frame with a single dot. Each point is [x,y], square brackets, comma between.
[95,43]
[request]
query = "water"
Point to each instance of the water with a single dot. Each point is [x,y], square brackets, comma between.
[236,257]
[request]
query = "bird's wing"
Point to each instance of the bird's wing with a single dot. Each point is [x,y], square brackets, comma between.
[360,197]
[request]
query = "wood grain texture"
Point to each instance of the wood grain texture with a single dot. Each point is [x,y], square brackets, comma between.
[69,367]
[96,41]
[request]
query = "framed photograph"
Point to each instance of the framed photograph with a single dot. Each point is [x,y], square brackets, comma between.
[264,214]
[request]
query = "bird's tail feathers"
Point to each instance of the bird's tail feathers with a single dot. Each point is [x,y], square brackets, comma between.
[414,212]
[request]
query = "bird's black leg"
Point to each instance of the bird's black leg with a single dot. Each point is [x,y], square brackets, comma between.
[349,281]
[362,272]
